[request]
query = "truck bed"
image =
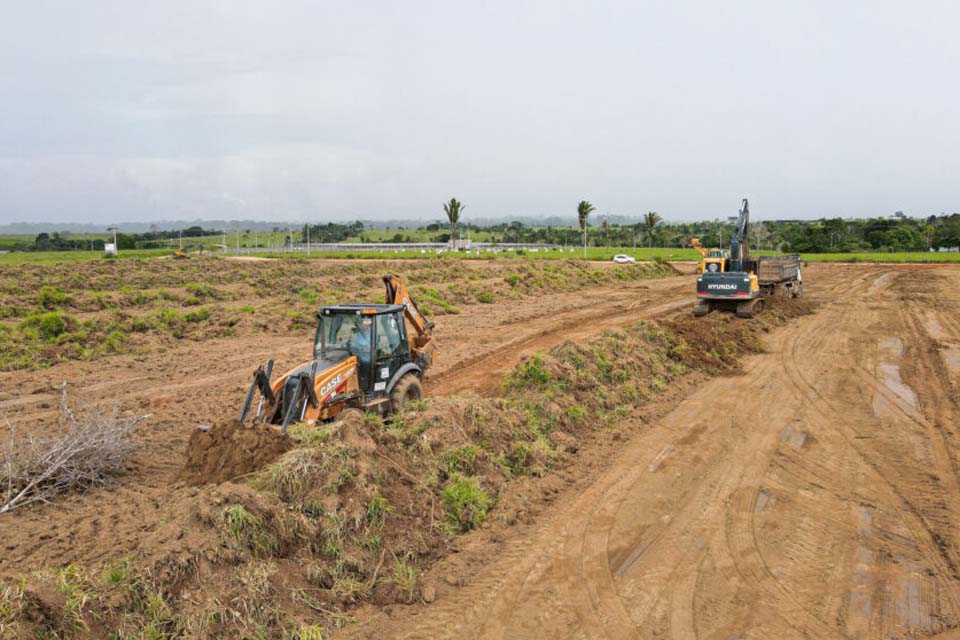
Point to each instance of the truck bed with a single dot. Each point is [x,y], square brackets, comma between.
[774,269]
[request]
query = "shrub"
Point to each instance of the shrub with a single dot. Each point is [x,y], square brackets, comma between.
[198,315]
[485,297]
[48,326]
[51,297]
[465,502]
[530,373]
[460,459]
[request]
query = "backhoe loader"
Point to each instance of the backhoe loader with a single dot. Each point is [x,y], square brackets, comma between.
[710,260]
[369,356]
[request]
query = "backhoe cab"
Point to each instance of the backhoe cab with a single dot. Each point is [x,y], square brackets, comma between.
[713,260]
[369,356]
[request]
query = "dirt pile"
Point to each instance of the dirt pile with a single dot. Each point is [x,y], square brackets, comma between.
[230,450]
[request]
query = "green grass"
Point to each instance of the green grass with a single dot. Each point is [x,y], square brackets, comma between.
[465,503]
[51,257]
[905,257]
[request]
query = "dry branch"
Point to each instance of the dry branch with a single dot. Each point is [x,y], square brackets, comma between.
[92,448]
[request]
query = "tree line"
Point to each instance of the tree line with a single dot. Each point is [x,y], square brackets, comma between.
[826,235]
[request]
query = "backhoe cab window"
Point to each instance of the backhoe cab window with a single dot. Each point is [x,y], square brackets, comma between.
[346,333]
[389,340]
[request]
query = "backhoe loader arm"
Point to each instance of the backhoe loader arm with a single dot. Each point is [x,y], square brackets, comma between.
[695,243]
[421,344]
[397,294]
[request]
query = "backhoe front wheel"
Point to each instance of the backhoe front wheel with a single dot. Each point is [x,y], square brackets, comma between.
[407,391]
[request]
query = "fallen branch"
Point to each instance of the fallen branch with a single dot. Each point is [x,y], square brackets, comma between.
[91,450]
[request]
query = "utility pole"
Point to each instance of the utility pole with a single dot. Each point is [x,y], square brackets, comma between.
[238,241]
[224,241]
[308,238]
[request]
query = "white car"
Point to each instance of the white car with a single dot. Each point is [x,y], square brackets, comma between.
[621,258]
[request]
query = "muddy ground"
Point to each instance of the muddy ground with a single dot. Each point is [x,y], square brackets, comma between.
[813,494]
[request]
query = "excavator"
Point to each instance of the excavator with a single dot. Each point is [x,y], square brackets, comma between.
[740,282]
[710,260]
[369,356]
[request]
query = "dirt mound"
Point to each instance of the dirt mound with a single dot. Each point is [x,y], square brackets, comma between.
[230,450]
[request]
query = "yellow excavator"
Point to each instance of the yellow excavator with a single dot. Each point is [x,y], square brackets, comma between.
[710,260]
[369,356]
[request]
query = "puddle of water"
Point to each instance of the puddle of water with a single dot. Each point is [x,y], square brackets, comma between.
[860,600]
[904,397]
[932,324]
[655,464]
[951,357]
[912,615]
[893,382]
[763,500]
[894,345]
[794,436]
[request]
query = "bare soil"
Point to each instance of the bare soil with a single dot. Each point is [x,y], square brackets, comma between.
[811,495]
[809,491]
[229,451]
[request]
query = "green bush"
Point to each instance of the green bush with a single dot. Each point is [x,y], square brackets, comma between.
[485,297]
[198,315]
[48,326]
[530,373]
[51,297]
[465,502]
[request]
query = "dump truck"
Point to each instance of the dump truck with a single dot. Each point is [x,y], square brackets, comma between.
[368,356]
[741,283]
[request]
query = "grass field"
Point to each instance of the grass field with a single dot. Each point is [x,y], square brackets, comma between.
[49,257]
[593,253]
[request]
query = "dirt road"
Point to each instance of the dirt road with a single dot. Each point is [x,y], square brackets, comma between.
[814,496]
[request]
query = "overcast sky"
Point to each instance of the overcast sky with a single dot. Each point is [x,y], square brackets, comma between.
[318,110]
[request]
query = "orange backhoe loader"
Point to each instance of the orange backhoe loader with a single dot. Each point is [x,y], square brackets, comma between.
[369,356]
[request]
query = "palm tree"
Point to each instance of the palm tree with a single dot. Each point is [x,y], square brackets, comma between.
[584,209]
[650,221]
[453,209]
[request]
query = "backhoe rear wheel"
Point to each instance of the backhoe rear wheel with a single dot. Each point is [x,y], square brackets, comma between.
[407,390]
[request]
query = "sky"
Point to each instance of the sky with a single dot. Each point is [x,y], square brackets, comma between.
[315,110]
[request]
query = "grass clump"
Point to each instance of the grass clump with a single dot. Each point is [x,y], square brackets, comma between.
[52,297]
[47,326]
[246,531]
[377,510]
[529,374]
[405,579]
[465,502]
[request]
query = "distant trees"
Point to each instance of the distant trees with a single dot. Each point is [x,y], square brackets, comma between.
[584,209]
[650,221]
[453,210]
[826,235]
